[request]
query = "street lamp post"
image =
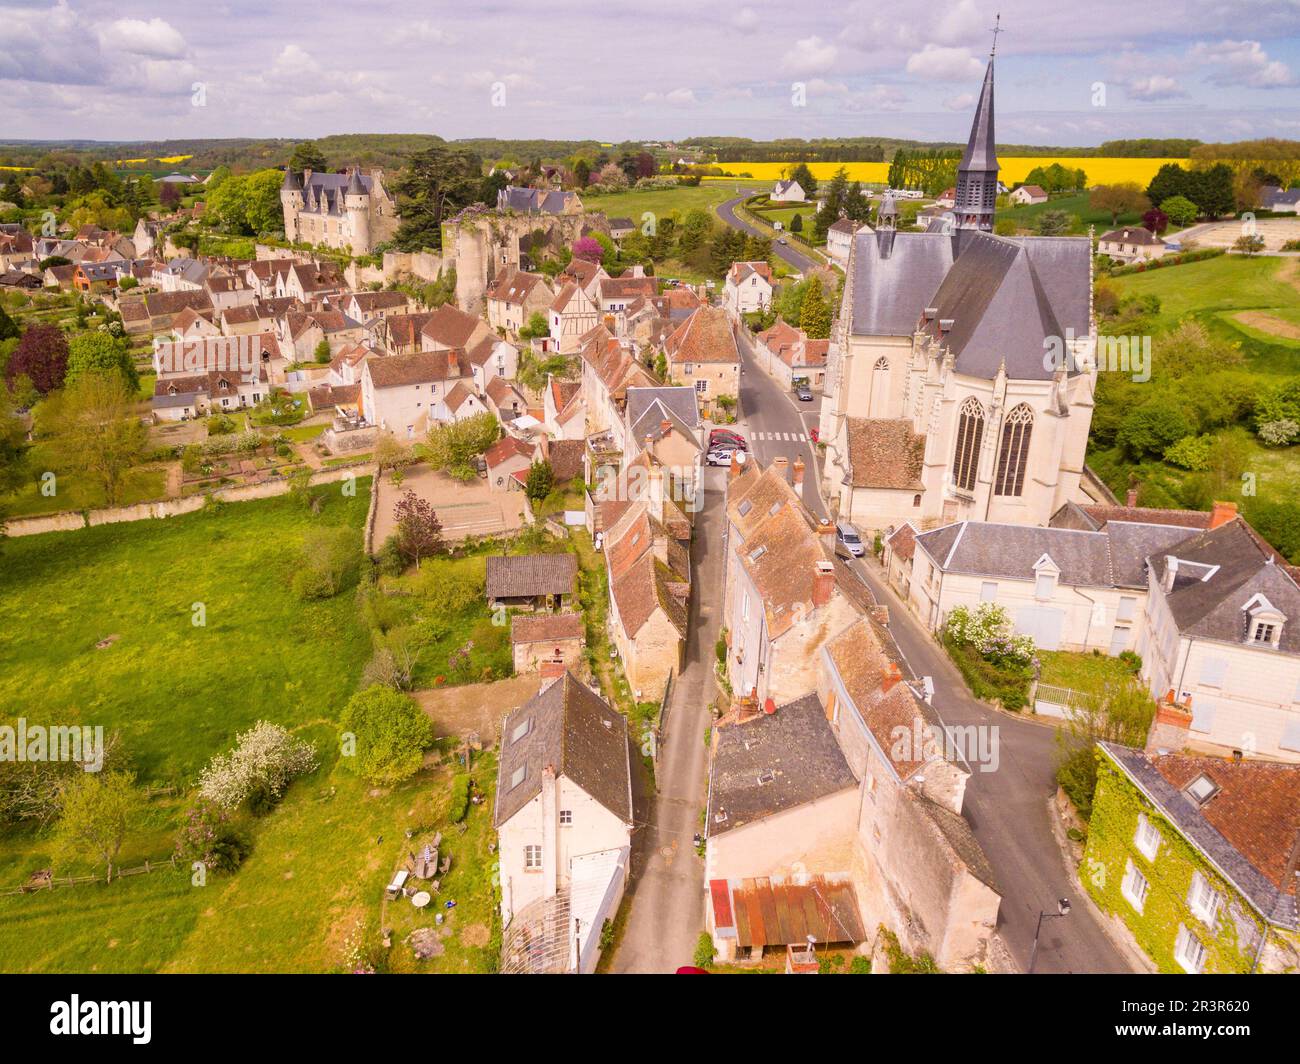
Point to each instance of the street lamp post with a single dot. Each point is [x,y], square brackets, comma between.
[1062,909]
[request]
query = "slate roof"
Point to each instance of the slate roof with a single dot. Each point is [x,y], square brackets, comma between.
[885,453]
[529,575]
[574,731]
[1212,604]
[1131,235]
[1249,829]
[533,200]
[772,763]
[981,152]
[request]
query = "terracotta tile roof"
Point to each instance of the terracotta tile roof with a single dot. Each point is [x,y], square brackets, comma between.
[705,336]
[419,367]
[515,286]
[741,270]
[505,448]
[545,627]
[457,396]
[404,329]
[628,288]
[566,457]
[781,557]
[451,326]
[885,453]
[903,540]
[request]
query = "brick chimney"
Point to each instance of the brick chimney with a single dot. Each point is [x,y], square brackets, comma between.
[1131,500]
[1222,513]
[826,531]
[781,464]
[551,672]
[889,676]
[823,583]
[797,477]
[1170,725]
[665,427]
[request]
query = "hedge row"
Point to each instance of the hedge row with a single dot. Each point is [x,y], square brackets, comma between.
[986,680]
[1167,260]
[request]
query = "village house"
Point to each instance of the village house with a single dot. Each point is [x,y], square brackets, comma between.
[1198,857]
[400,334]
[404,394]
[546,637]
[504,399]
[492,358]
[839,238]
[531,581]
[185,397]
[702,353]
[748,288]
[1027,195]
[563,816]
[1134,244]
[788,191]
[302,332]
[787,355]
[898,551]
[573,314]
[507,462]
[311,281]
[609,369]
[367,306]
[564,409]
[514,297]
[538,201]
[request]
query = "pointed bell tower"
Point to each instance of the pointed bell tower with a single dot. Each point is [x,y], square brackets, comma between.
[977,174]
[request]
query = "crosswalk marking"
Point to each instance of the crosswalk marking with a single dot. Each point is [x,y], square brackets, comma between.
[784,437]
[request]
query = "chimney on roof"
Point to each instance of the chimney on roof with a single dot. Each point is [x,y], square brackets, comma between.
[1131,500]
[826,531]
[797,475]
[1170,726]
[650,442]
[889,676]
[551,671]
[665,426]
[823,583]
[737,464]
[1222,513]
[780,464]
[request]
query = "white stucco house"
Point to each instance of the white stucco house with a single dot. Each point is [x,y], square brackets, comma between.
[788,192]
[564,821]
[748,288]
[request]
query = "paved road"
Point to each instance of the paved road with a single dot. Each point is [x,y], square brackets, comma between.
[784,252]
[1007,808]
[667,893]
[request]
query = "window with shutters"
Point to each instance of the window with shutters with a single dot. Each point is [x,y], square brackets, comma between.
[970,433]
[1013,458]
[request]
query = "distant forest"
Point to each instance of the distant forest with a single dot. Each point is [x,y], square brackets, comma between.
[390,150]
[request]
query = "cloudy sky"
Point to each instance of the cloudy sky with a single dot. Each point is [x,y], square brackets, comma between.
[1067,73]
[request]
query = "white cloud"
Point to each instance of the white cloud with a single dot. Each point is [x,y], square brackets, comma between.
[944,64]
[423,30]
[745,20]
[810,55]
[1154,87]
[1243,63]
[963,101]
[675,98]
[293,62]
[155,38]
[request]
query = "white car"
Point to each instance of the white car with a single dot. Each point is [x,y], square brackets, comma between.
[719,457]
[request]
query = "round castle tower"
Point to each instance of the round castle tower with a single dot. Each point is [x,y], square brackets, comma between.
[357,202]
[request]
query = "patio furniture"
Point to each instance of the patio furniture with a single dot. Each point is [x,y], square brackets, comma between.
[399,881]
[422,899]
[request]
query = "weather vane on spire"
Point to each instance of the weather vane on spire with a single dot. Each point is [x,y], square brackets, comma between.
[997,28]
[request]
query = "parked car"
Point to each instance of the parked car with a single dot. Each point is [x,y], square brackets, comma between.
[783,240]
[804,393]
[719,456]
[728,439]
[847,540]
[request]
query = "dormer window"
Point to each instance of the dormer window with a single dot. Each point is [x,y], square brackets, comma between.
[1263,622]
[1264,632]
[1046,573]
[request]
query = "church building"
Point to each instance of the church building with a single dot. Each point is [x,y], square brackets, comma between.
[961,374]
[351,211]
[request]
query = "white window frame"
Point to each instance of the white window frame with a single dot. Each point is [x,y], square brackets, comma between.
[988,591]
[1146,829]
[532,858]
[1041,581]
[1203,900]
[1126,608]
[1135,886]
[566,818]
[1189,951]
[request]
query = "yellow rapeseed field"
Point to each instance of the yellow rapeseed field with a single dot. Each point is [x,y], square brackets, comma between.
[1100,170]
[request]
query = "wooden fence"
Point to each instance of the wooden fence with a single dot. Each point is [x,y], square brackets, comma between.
[35,887]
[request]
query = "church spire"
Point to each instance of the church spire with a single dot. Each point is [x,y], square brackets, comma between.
[977,174]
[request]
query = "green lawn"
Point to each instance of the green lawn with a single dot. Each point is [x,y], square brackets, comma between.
[662,202]
[177,692]
[72,492]
[1082,672]
[1027,216]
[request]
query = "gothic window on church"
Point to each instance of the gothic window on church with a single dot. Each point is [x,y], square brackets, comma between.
[970,434]
[1013,459]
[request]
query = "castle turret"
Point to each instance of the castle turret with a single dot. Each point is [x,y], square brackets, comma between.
[292,202]
[357,202]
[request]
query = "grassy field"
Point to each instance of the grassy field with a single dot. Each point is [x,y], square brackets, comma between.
[177,692]
[662,202]
[1027,216]
[73,492]
[1100,170]
[1082,672]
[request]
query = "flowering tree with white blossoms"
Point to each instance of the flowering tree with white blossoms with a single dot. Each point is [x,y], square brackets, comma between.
[988,630]
[265,760]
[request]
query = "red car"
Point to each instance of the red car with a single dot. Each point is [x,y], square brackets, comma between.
[725,438]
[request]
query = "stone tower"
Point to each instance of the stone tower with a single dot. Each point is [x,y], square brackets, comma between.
[356,200]
[292,202]
[977,174]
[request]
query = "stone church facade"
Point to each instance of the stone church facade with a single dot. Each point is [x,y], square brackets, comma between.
[961,376]
[351,211]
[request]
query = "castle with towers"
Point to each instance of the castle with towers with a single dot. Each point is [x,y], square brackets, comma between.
[961,373]
[351,211]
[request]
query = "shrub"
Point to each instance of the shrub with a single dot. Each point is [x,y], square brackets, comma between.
[860,965]
[986,680]
[208,836]
[265,760]
[220,425]
[1279,433]
[389,558]
[328,559]
[391,734]
[459,798]
[1131,659]
[704,950]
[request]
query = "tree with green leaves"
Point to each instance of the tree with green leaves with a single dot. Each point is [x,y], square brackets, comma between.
[8,327]
[96,430]
[322,352]
[307,156]
[815,312]
[804,177]
[436,183]
[1055,223]
[1179,210]
[541,479]
[248,204]
[452,448]
[100,352]
[1123,198]
[99,809]
[390,733]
